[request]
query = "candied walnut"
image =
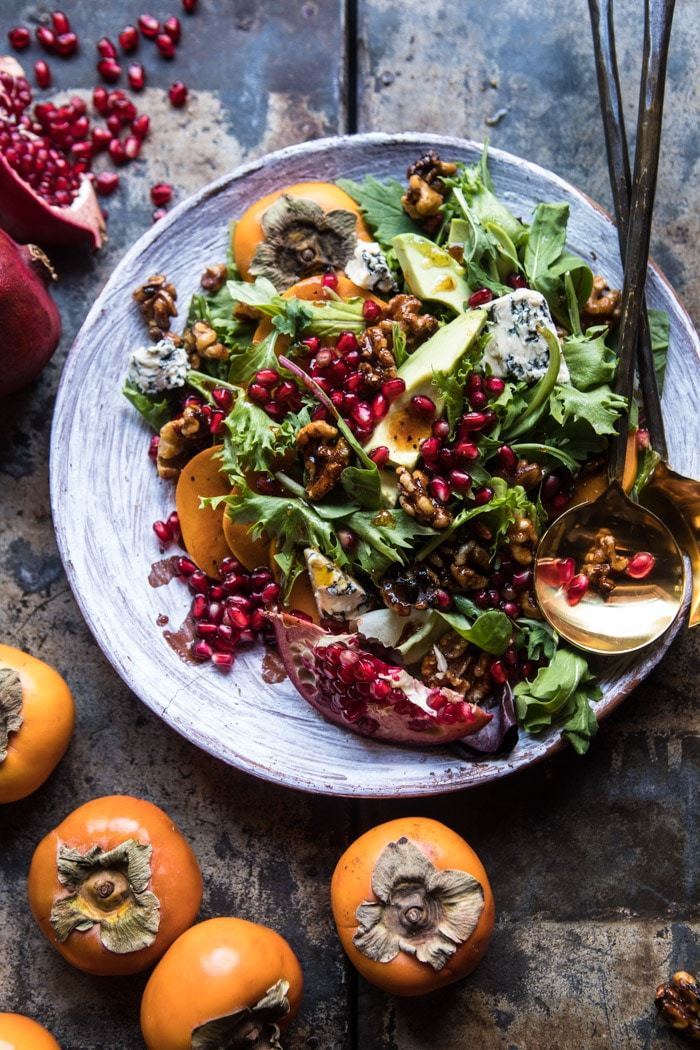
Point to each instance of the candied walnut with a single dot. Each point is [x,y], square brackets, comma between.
[455,664]
[406,311]
[432,170]
[603,304]
[214,277]
[180,439]
[416,500]
[678,1002]
[468,560]
[156,299]
[326,455]
[415,587]
[377,361]
[201,340]
[522,540]
[527,474]
[601,561]
[420,200]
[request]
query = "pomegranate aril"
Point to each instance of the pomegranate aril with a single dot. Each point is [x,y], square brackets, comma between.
[507,458]
[153,447]
[165,45]
[173,28]
[60,22]
[100,100]
[550,487]
[136,75]
[430,449]
[576,589]
[19,37]
[222,397]
[472,421]
[347,341]
[483,495]
[371,311]
[393,388]
[560,502]
[202,651]
[185,567]
[206,630]
[116,152]
[522,578]
[266,376]
[330,280]
[270,593]
[85,150]
[494,386]
[516,280]
[511,609]
[141,125]
[362,414]
[66,44]
[174,523]
[481,599]
[198,582]
[460,480]
[439,489]
[163,531]
[447,458]
[105,48]
[177,93]
[312,342]
[216,421]
[380,455]
[114,124]
[109,70]
[422,406]
[477,399]
[565,568]
[466,451]
[132,146]
[42,72]
[46,37]
[190,6]
[149,26]
[380,407]
[222,660]
[640,565]
[129,38]
[480,298]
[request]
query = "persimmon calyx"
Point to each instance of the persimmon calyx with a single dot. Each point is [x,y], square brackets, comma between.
[11,697]
[109,889]
[301,239]
[252,1028]
[419,909]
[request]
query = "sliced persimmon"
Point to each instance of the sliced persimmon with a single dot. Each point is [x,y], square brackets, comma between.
[250,552]
[312,289]
[202,527]
[248,231]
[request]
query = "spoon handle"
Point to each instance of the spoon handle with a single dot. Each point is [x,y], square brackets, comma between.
[658,16]
[602,24]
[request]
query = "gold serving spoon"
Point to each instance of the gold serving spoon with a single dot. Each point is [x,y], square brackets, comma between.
[674,498]
[650,584]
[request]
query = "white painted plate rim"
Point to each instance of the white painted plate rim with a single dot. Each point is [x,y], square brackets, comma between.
[460,773]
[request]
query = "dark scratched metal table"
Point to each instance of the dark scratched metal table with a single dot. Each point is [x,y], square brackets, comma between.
[594,861]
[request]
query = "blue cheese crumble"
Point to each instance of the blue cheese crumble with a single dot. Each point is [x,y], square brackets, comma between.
[337,594]
[368,268]
[516,350]
[161,366]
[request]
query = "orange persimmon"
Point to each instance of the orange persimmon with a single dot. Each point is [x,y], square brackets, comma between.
[387,895]
[301,596]
[37,715]
[219,972]
[202,527]
[18,1032]
[129,885]
[313,290]
[248,231]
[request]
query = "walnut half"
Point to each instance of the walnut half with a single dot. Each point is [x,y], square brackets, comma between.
[326,455]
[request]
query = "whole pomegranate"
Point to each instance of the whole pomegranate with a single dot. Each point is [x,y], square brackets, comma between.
[357,690]
[45,194]
[29,319]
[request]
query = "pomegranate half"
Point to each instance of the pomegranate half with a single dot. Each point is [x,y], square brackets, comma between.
[29,318]
[44,196]
[353,688]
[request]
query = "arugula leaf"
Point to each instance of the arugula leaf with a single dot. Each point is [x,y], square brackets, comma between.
[600,408]
[156,413]
[541,639]
[659,330]
[477,186]
[589,359]
[291,522]
[560,695]
[490,631]
[383,538]
[546,239]
[381,206]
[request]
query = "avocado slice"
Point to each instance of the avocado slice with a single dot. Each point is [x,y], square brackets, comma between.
[402,431]
[431,272]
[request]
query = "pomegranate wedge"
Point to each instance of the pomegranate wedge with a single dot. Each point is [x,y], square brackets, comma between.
[355,689]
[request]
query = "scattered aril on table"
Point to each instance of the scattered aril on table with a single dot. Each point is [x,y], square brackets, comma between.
[105,48]
[165,45]
[149,26]
[42,72]
[46,37]
[60,22]
[109,69]
[136,75]
[19,37]
[159,214]
[173,28]
[129,38]
[177,93]
[190,6]
[106,183]
[161,193]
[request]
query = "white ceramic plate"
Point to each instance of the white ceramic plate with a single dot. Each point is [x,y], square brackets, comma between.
[105,493]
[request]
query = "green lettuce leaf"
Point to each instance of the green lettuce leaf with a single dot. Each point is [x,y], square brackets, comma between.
[659,330]
[251,439]
[247,359]
[155,412]
[560,695]
[599,408]
[384,538]
[490,631]
[381,206]
[546,239]
[477,186]
[589,360]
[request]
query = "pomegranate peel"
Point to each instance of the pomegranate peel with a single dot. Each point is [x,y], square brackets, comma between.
[357,690]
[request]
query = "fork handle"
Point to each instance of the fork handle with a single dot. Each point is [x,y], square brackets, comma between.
[602,23]
[658,16]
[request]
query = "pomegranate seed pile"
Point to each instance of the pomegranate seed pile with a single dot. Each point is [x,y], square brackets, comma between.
[53,148]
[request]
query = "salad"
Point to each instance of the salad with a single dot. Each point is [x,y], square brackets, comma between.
[378,403]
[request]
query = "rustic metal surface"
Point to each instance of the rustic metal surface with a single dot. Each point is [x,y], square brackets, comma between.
[594,861]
